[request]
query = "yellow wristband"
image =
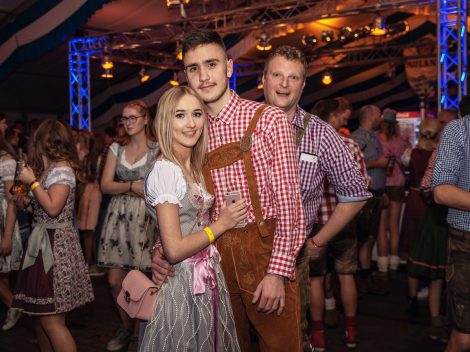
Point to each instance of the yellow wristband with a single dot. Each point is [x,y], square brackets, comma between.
[209,234]
[34,186]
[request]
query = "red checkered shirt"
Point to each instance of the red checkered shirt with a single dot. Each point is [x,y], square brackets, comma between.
[329,200]
[276,172]
[323,155]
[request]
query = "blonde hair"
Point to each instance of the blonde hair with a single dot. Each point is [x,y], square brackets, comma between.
[164,118]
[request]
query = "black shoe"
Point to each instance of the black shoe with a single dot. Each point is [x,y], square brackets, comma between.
[413,306]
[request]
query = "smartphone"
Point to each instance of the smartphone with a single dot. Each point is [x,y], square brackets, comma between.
[232,197]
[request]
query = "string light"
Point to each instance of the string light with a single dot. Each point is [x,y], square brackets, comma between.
[107,63]
[144,77]
[327,78]
[259,83]
[174,82]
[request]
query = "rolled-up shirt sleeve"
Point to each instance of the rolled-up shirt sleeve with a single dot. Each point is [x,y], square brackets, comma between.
[342,170]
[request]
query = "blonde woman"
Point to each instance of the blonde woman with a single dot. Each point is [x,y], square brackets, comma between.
[127,232]
[193,312]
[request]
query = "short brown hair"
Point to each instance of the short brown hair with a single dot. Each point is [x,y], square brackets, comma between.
[344,104]
[290,53]
[201,37]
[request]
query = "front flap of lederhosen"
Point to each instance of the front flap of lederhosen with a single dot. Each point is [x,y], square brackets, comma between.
[228,154]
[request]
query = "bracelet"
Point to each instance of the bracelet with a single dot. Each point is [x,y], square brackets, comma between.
[209,234]
[33,182]
[315,244]
[130,186]
[34,185]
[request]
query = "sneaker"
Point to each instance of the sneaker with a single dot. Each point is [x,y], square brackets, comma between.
[120,340]
[351,336]
[331,318]
[93,270]
[423,293]
[317,340]
[13,315]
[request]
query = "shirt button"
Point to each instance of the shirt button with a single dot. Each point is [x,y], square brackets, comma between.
[199,224]
[217,120]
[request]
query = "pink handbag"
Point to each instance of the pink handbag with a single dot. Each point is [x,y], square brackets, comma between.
[138,295]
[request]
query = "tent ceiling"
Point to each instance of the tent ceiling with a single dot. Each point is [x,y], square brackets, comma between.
[42,85]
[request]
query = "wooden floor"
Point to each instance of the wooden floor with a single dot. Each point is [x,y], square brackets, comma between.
[383,325]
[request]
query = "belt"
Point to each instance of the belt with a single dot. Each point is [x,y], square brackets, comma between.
[459,233]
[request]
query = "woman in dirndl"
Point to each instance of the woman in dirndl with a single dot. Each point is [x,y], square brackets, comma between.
[53,278]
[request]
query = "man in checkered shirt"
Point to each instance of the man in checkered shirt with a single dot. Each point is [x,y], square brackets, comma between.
[451,187]
[323,155]
[259,266]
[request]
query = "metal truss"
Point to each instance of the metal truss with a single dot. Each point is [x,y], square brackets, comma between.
[150,46]
[360,55]
[261,14]
[80,50]
[452,52]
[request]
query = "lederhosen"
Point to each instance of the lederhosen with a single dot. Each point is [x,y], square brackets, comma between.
[246,253]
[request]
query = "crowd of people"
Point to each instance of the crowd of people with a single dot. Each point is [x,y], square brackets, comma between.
[243,213]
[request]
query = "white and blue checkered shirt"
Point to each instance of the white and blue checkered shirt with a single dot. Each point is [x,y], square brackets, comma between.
[453,166]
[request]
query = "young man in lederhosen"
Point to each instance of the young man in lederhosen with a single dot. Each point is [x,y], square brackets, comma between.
[251,153]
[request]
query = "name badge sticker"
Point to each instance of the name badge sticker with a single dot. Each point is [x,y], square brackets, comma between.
[310,158]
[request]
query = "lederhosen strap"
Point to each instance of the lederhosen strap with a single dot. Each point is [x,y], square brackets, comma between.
[301,131]
[230,153]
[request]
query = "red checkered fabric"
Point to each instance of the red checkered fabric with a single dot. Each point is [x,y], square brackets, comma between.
[276,173]
[324,155]
[426,181]
[329,200]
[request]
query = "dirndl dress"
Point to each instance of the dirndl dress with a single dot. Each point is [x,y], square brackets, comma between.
[53,278]
[193,310]
[11,261]
[428,256]
[128,231]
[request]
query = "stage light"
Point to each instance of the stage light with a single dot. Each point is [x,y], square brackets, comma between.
[309,40]
[345,33]
[400,27]
[106,62]
[327,36]
[143,76]
[263,42]
[327,78]
[174,82]
[378,27]
[107,74]
[361,32]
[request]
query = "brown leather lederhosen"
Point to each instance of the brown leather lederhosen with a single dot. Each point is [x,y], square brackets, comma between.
[246,253]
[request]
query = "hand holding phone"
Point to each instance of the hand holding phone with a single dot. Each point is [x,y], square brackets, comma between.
[231,198]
